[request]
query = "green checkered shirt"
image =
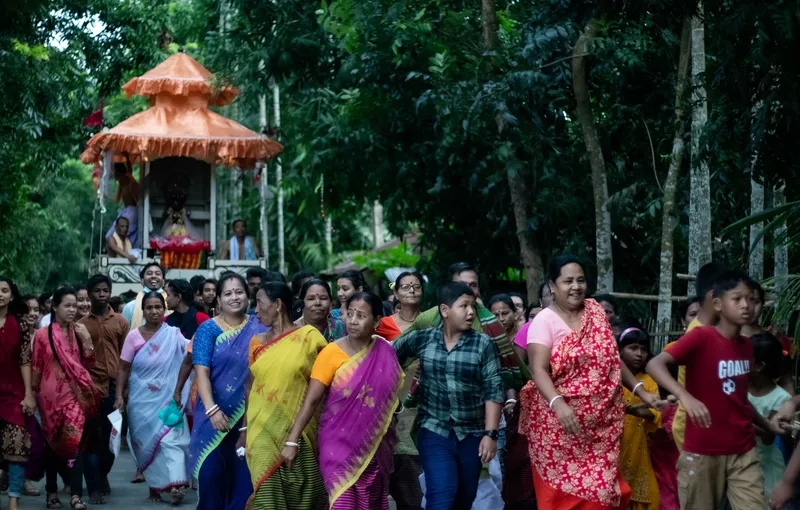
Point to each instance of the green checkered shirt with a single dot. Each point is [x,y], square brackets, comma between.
[455,385]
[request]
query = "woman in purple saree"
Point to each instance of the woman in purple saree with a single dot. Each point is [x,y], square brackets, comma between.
[360,376]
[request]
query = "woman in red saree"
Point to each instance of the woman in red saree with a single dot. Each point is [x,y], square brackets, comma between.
[16,397]
[66,395]
[573,410]
[360,375]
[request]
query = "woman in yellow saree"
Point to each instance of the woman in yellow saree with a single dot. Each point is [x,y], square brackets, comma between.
[360,376]
[280,365]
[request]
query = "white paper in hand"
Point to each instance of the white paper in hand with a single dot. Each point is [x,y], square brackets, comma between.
[116,432]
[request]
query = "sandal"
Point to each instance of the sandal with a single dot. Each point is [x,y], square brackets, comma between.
[96,499]
[139,478]
[30,490]
[155,497]
[54,503]
[76,503]
[176,497]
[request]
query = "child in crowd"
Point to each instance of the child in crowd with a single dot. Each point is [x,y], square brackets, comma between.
[718,453]
[767,398]
[640,421]
[706,316]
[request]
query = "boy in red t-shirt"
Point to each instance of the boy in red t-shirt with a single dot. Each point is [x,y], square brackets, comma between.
[718,453]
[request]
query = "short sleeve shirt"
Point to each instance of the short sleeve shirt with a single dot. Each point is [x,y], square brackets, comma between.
[521,339]
[548,329]
[203,345]
[327,363]
[717,373]
[133,342]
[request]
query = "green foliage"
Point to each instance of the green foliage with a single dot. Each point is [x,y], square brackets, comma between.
[401,255]
[400,102]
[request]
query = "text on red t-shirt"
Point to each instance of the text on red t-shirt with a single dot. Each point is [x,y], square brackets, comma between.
[717,371]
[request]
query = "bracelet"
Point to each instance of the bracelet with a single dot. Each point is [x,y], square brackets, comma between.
[291,443]
[554,399]
[243,429]
[213,410]
[511,401]
[636,387]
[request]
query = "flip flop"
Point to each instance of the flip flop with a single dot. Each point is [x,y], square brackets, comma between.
[176,497]
[31,491]
[138,479]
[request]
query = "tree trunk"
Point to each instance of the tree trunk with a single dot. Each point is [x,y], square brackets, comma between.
[670,186]
[264,182]
[489,21]
[781,250]
[605,261]
[377,223]
[756,261]
[700,193]
[531,257]
[276,118]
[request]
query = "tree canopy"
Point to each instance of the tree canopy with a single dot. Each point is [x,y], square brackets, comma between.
[404,103]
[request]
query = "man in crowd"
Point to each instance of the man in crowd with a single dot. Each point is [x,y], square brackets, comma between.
[514,376]
[460,415]
[255,276]
[108,330]
[152,276]
[118,244]
[241,246]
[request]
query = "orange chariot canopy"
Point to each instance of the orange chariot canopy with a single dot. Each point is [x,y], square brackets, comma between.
[179,122]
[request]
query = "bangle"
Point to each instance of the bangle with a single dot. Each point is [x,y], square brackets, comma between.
[633,392]
[511,401]
[291,443]
[554,399]
[243,429]
[213,410]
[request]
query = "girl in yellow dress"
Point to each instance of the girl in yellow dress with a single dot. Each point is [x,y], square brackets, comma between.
[634,348]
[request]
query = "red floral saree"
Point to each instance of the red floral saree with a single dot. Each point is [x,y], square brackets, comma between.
[585,370]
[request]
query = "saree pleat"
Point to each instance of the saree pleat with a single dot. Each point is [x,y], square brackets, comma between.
[281,369]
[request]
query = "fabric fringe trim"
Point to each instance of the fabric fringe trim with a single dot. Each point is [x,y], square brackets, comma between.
[144,86]
[225,151]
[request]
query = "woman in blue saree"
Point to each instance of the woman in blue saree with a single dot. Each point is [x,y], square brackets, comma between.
[220,356]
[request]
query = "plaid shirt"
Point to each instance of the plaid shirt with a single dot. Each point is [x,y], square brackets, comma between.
[455,385]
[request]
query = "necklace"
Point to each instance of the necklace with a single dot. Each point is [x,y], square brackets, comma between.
[349,344]
[226,325]
[400,316]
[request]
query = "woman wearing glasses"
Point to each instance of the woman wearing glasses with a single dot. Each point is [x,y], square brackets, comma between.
[408,292]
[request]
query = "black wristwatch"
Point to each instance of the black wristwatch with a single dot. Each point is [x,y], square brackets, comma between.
[492,434]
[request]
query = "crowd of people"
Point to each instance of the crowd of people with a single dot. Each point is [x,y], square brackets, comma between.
[263,393]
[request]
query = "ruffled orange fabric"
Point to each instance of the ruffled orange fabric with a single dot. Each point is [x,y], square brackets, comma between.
[183,126]
[180,75]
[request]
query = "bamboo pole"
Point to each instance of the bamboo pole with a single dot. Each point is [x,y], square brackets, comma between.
[644,297]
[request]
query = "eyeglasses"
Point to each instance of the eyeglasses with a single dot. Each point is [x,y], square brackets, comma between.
[408,287]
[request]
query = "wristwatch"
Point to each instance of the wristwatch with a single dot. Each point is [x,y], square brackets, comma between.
[492,434]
